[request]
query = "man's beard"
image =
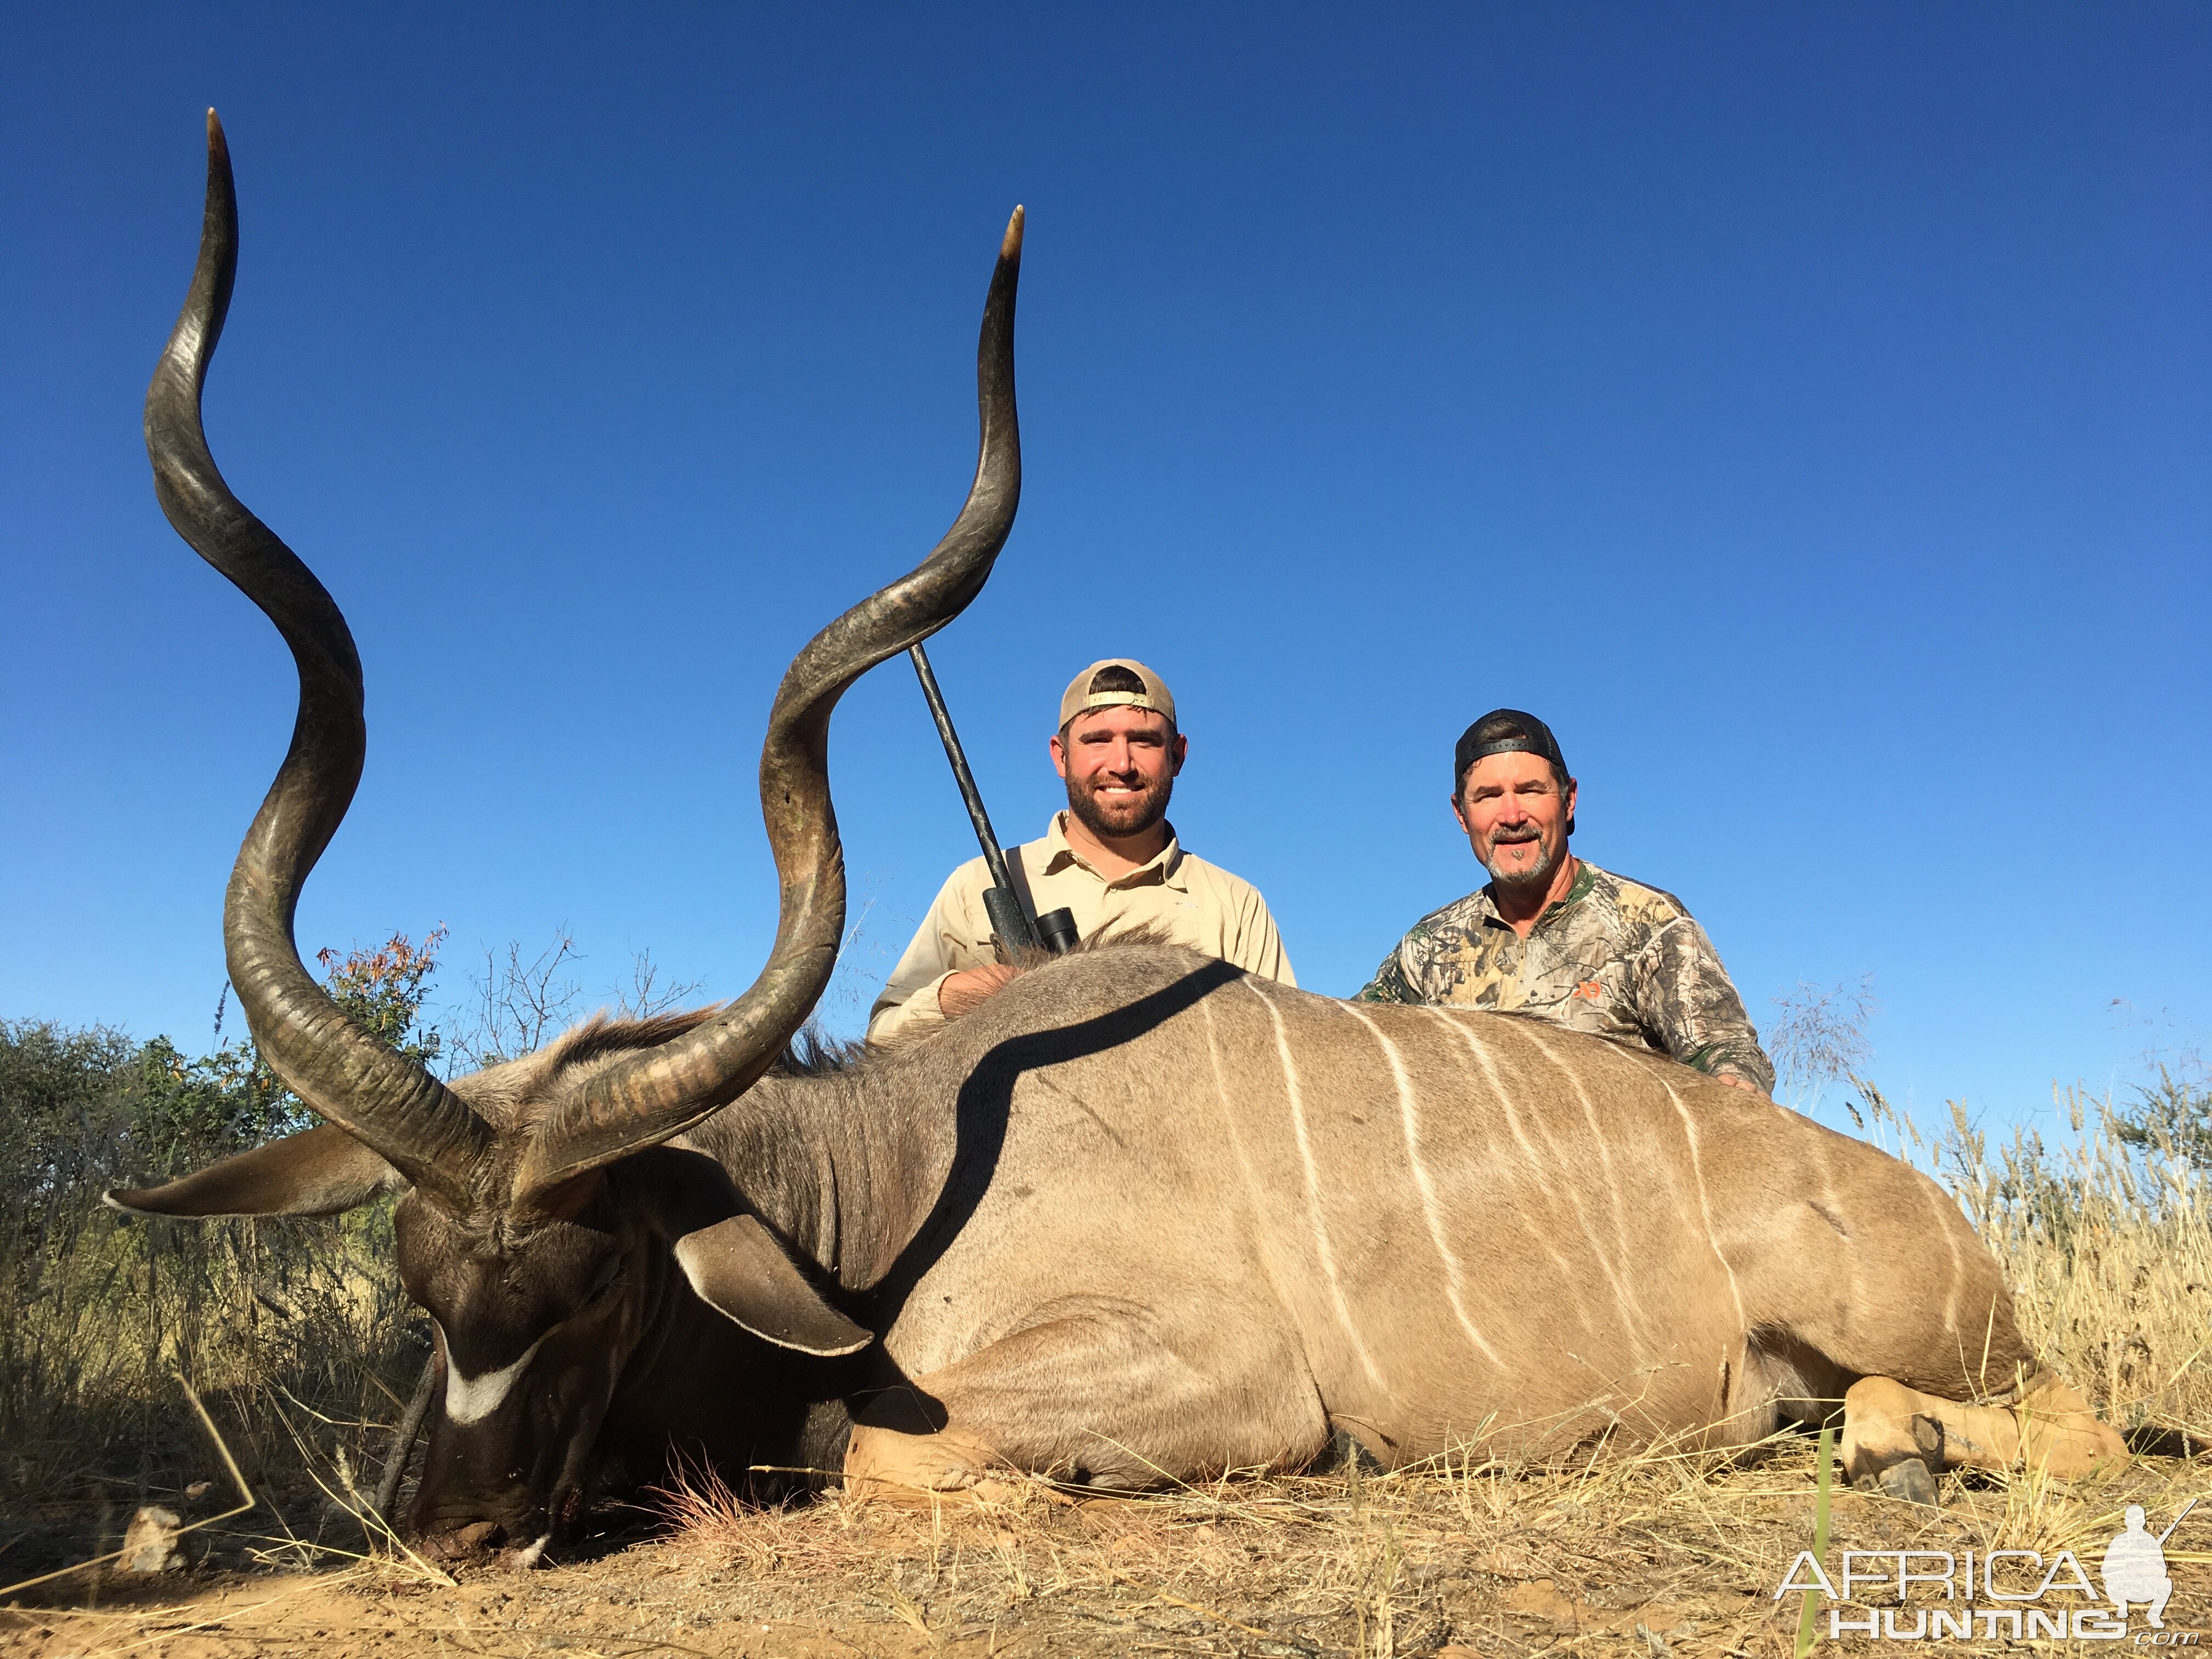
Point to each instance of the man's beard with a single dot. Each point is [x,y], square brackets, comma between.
[1532,879]
[1128,815]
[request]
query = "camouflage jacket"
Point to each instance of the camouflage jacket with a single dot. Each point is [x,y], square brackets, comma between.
[1614,958]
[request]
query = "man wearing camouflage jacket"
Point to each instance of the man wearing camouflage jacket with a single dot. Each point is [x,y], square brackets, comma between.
[1556,937]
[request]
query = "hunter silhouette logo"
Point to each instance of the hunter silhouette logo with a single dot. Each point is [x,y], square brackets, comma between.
[2015,1582]
[2135,1566]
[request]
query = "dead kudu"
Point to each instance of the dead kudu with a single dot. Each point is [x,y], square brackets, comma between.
[1139,1219]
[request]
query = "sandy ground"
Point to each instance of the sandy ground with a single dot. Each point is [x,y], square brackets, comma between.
[1650,1560]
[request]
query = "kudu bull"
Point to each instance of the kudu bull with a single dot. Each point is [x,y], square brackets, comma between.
[1139,1219]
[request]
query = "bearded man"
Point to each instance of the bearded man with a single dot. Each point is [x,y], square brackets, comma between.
[1554,937]
[1112,858]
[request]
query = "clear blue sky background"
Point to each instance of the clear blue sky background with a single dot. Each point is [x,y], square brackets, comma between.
[1806,409]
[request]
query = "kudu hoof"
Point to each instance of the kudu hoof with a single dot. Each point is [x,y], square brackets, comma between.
[1347,1456]
[1909,1482]
[463,1544]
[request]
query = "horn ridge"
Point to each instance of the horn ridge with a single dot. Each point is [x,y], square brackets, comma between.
[387,1102]
[664,1090]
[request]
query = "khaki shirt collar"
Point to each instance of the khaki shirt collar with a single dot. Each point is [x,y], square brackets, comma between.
[1163,869]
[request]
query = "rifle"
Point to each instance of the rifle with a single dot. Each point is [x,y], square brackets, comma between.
[1054,930]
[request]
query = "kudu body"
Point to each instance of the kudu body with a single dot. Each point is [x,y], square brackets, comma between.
[1139,1219]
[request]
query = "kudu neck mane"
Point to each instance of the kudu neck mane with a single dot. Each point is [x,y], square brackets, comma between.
[516,1093]
[834,1149]
[845,1151]
[783,1140]
[840,1148]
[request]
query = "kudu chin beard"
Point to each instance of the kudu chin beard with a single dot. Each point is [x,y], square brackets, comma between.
[1131,815]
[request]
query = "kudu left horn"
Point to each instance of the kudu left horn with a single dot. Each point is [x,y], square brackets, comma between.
[392,1104]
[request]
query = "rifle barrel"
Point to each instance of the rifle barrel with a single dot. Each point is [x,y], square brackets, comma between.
[2168,1533]
[993,858]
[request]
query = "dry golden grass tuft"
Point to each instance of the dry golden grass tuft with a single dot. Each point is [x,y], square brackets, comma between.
[2111,1260]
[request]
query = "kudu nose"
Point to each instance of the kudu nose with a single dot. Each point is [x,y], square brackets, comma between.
[475,1540]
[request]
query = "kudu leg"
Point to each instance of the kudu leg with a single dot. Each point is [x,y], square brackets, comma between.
[1897,1438]
[897,1465]
[1099,1400]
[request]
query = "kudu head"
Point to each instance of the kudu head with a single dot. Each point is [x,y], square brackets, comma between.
[539,1201]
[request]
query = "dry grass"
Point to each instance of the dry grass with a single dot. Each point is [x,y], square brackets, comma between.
[2122,1285]
[1644,1555]
[301,1319]
[1650,1552]
[297,1334]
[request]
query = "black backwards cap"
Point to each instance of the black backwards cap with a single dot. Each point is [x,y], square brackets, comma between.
[1504,731]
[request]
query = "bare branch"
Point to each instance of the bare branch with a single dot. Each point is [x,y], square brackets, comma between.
[519,1004]
[645,995]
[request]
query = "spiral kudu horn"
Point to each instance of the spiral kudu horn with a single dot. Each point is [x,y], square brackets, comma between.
[384,1099]
[662,1091]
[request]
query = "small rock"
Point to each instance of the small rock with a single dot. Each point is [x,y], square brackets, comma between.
[150,1543]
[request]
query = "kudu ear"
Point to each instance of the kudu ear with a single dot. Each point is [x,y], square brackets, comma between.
[741,1273]
[319,1171]
[735,1264]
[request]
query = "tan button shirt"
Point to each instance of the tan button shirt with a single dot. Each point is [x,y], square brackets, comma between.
[1178,893]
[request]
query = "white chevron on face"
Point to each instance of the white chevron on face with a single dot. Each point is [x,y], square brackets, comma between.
[472,1399]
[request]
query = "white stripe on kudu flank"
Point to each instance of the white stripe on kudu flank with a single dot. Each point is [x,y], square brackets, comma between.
[472,1399]
[1630,1305]
[1255,1229]
[1409,1118]
[1313,1188]
[1704,1207]
[1949,1234]
[1540,1164]
[1228,1116]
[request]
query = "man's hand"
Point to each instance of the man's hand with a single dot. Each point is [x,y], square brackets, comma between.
[1729,1078]
[965,992]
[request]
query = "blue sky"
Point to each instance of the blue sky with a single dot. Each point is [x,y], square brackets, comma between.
[1805,409]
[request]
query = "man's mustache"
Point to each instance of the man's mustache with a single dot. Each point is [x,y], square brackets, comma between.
[1515,835]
